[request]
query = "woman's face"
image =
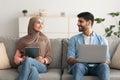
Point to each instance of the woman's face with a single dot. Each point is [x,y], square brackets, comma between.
[38,25]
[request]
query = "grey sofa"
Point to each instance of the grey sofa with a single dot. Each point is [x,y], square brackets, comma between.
[58,69]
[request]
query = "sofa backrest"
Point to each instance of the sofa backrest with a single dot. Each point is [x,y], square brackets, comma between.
[59,50]
[64,52]
[56,45]
[113,43]
[10,44]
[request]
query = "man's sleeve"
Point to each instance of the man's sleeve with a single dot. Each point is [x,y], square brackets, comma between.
[108,53]
[71,49]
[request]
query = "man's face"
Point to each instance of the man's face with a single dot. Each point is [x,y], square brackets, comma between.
[82,25]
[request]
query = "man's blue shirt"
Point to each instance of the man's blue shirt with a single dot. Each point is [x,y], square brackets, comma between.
[76,40]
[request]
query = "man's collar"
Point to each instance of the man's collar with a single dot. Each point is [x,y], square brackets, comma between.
[92,34]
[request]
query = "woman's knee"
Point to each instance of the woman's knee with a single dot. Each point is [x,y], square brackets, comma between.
[34,69]
[42,69]
[27,61]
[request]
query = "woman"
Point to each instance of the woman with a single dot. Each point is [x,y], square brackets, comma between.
[29,68]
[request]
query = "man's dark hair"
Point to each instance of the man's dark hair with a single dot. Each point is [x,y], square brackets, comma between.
[87,16]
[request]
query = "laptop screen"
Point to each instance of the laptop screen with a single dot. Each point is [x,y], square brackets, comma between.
[92,53]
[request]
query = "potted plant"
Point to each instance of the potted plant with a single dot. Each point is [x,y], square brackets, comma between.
[24,12]
[109,31]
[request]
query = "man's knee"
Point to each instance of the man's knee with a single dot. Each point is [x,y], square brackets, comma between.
[79,66]
[104,66]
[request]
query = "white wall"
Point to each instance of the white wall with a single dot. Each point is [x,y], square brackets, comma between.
[11,10]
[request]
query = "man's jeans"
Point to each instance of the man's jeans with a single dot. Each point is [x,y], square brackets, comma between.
[30,69]
[79,70]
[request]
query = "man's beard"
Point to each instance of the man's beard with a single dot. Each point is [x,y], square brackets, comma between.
[82,29]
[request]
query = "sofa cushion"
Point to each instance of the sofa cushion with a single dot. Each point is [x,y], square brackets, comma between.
[56,52]
[115,62]
[67,76]
[10,44]
[51,74]
[4,64]
[113,43]
[114,75]
[12,74]
[64,51]
[8,74]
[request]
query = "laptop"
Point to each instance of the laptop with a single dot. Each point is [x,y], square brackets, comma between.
[92,53]
[32,52]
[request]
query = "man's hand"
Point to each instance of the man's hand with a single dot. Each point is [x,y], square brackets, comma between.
[107,62]
[72,61]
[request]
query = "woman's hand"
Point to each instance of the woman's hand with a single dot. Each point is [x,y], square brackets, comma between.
[18,58]
[40,59]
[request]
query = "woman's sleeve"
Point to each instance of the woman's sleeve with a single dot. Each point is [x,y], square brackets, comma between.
[48,56]
[18,57]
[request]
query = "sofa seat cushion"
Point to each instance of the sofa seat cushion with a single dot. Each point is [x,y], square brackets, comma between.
[11,74]
[67,76]
[8,74]
[114,75]
[52,74]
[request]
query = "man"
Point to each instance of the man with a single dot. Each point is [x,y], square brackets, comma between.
[77,69]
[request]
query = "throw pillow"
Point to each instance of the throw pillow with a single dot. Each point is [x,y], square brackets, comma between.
[115,62]
[4,61]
